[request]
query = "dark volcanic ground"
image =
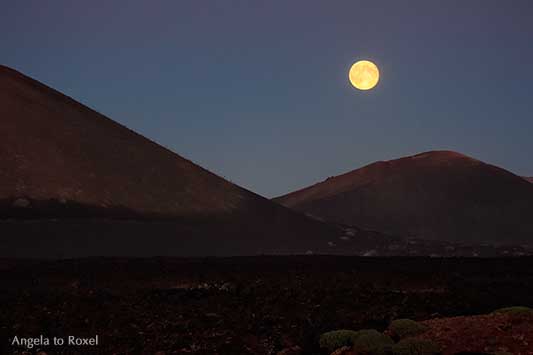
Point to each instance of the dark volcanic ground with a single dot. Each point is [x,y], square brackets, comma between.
[245,305]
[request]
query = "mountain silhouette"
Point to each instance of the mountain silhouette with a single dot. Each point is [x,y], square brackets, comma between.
[75,183]
[438,195]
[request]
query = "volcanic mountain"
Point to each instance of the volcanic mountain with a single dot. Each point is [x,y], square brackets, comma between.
[75,183]
[438,195]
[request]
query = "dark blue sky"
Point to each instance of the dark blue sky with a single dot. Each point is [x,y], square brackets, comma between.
[258,92]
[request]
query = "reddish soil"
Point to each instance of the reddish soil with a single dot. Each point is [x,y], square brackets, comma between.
[484,333]
[530,179]
[439,195]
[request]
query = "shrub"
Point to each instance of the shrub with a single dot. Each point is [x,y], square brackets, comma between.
[403,328]
[515,311]
[364,341]
[412,346]
[371,341]
[337,339]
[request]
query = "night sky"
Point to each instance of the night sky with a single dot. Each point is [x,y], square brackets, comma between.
[258,91]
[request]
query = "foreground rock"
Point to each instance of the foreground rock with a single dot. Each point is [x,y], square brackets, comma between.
[492,333]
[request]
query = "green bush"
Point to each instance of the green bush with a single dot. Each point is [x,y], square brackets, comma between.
[404,328]
[337,339]
[515,311]
[412,346]
[364,341]
[371,341]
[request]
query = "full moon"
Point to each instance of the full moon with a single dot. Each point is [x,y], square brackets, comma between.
[364,75]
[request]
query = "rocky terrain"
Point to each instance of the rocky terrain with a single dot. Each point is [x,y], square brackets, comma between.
[255,305]
[490,333]
[439,195]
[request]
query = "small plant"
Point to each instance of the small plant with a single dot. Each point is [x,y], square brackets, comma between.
[412,346]
[370,341]
[404,328]
[337,339]
[515,311]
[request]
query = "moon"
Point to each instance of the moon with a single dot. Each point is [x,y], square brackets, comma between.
[364,75]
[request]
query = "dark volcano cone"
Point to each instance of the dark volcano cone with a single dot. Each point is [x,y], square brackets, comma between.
[73,182]
[436,195]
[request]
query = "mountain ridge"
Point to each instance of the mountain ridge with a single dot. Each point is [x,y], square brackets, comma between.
[417,195]
[382,163]
[68,171]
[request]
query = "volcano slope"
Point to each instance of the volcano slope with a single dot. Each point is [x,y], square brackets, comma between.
[75,183]
[438,195]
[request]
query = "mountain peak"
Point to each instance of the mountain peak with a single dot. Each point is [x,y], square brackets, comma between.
[436,157]
[441,154]
[442,195]
[62,160]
